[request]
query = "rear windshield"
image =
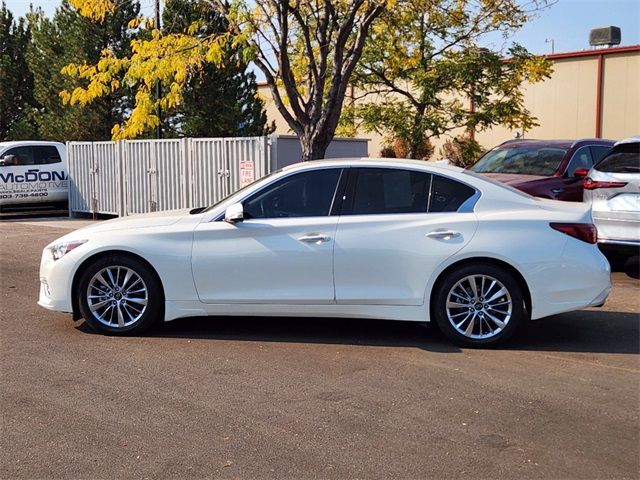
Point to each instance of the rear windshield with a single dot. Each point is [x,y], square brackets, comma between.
[623,158]
[543,161]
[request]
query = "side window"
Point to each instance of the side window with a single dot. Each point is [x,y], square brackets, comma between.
[386,190]
[581,159]
[19,156]
[306,194]
[598,151]
[624,158]
[448,195]
[45,154]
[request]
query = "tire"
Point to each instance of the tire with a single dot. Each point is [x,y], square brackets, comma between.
[487,317]
[120,295]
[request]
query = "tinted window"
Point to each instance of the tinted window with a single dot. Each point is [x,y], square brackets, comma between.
[43,154]
[381,190]
[581,159]
[523,160]
[306,194]
[20,156]
[384,191]
[623,158]
[599,151]
[36,155]
[448,195]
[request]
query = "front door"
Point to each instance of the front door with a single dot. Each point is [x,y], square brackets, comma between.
[281,253]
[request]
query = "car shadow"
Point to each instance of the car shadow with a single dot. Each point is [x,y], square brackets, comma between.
[331,331]
[589,331]
[628,264]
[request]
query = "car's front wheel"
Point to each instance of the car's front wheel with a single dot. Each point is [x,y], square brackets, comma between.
[478,305]
[119,295]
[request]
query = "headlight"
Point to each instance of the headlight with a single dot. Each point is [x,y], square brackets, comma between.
[59,250]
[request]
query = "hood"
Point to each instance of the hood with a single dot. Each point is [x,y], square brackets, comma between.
[515,179]
[155,219]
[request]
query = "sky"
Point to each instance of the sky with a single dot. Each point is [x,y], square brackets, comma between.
[567,22]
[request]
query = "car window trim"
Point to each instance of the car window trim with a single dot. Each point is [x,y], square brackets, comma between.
[339,194]
[350,188]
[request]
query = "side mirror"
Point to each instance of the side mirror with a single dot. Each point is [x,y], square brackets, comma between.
[234,213]
[580,172]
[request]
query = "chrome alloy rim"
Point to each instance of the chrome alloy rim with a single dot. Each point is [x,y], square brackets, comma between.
[479,306]
[117,296]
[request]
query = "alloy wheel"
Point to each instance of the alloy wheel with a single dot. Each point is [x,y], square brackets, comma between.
[117,296]
[479,306]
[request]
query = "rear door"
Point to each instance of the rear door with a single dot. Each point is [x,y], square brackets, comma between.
[397,226]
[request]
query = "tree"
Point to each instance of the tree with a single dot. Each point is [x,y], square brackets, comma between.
[424,74]
[462,151]
[16,81]
[217,101]
[69,37]
[306,50]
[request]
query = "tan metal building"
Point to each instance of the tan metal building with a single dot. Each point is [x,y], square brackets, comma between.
[591,93]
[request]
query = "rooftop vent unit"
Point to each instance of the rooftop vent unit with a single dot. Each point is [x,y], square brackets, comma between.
[605,36]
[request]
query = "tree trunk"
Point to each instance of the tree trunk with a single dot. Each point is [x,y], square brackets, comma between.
[313,147]
[417,134]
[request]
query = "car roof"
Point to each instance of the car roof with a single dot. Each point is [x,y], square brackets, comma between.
[535,142]
[22,143]
[635,139]
[374,162]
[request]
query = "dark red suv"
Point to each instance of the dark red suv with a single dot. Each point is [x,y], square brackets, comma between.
[544,168]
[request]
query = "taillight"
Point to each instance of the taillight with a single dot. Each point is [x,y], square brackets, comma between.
[591,184]
[582,231]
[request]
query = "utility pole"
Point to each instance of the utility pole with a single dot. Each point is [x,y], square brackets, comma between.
[159,83]
[553,46]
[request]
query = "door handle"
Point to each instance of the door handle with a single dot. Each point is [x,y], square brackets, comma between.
[444,234]
[314,238]
[557,190]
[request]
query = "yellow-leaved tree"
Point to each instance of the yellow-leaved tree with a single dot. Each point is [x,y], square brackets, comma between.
[307,51]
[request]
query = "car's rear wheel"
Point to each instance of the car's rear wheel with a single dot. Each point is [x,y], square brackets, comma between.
[120,295]
[478,305]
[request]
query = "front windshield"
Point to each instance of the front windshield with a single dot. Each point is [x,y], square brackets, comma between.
[543,161]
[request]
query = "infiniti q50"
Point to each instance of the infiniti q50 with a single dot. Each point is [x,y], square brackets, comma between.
[390,239]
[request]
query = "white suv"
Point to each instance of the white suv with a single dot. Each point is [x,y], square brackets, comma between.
[613,189]
[32,173]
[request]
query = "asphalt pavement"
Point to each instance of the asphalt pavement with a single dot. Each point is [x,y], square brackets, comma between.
[310,398]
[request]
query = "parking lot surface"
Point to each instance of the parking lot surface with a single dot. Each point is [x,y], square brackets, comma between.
[299,398]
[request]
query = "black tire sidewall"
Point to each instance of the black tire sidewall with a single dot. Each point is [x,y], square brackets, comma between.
[155,303]
[518,312]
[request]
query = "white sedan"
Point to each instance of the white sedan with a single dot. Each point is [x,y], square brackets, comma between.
[392,239]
